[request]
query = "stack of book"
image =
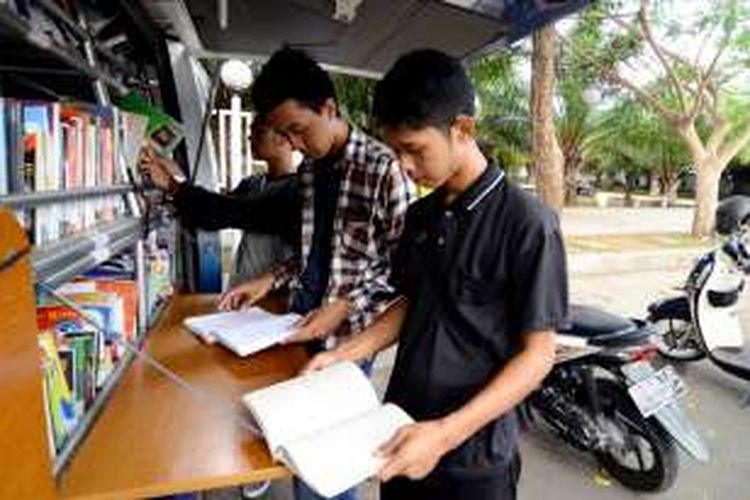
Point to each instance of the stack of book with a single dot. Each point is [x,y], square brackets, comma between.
[50,146]
[78,358]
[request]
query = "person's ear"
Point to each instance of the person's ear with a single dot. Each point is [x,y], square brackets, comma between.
[330,109]
[464,127]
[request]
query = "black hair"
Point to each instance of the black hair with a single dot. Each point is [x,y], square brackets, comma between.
[291,74]
[423,88]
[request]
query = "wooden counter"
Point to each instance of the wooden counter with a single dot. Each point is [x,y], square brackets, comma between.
[155,438]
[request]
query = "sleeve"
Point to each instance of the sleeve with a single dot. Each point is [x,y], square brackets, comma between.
[285,271]
[538,272]
[274,211]
[370,297]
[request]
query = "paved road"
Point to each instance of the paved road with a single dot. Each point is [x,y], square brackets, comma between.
[594,221]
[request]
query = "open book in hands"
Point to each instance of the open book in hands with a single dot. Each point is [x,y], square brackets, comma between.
[326,426]
[244,332]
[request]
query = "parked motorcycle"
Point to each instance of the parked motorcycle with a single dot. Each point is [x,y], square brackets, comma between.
[604,396]
[704,320]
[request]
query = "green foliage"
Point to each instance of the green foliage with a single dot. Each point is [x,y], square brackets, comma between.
[355,98]
[503,112]
[631,139]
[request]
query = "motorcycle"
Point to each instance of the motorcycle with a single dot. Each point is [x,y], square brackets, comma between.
[703,321]
[604,396]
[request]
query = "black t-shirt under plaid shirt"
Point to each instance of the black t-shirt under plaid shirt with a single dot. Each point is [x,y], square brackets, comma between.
[478,274]
[373,197]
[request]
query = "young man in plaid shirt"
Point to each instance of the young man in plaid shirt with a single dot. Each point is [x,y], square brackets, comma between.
[353,198]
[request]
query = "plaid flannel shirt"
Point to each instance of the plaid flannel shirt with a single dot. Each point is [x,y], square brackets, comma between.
[373,199]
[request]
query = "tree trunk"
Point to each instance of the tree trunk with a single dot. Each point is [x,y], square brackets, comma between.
[708,174]
[572,172]
[547,157]
[670,185]
[630,181]
[653,183]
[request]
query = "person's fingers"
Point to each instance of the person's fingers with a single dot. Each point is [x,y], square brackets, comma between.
[231,300]
[224,301]
[392,468]
[392,445]
[249,300]
[301,335]
[304,320]
[317,363]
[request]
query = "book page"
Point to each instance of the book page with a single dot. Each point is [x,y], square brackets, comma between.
[307,404]
[244,332]
[340,457]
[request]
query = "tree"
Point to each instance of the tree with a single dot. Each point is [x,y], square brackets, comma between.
[503,107]
[696,85]
[546,153]
[631,139]
[578,79]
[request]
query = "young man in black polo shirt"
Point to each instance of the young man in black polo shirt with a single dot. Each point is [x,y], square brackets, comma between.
[482,281]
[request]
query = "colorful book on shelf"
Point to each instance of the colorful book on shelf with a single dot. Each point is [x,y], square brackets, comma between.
[4,160]
[83,346]
[106,310]
[126,289]
[164,133]
[77,336]
[34,146]
[62,408]
[14,142]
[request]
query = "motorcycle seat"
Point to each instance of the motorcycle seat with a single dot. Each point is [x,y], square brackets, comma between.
[600,327]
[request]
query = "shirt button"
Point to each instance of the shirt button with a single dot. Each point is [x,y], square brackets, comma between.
[441,241]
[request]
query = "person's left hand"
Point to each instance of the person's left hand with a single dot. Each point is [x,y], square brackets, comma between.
[414,450]
[321,322]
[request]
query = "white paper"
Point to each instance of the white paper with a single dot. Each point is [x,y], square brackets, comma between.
[308,404]
[244,332]
[340,457]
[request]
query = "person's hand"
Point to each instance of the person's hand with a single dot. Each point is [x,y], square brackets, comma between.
[247,294]
[321,360]
[163,172]
[414,450]
[321,322]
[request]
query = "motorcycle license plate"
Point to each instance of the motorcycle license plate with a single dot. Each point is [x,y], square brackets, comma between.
[657,390]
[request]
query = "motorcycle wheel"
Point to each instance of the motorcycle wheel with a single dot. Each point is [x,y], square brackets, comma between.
[647,460]
[676,339]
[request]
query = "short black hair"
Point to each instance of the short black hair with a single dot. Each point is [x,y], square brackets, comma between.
[423,88]
[291,74]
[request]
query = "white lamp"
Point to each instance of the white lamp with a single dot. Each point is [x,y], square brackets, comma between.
[236,75]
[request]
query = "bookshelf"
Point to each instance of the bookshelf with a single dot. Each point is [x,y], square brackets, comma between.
[66,178]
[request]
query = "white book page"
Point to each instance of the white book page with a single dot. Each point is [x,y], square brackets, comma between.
[244,332]
[227,320]
[307,404]
[251,338]
[340,457]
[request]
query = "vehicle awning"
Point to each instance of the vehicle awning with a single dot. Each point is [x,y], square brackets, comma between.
[379,32]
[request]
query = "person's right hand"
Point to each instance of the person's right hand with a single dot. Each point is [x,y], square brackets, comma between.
[321,360]
[247,294]
[163,172]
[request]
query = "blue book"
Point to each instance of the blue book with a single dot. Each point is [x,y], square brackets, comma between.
[4,160]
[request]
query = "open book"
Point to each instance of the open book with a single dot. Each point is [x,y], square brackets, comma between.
[244,332]
[326,426]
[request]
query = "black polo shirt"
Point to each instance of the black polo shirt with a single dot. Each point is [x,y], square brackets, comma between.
[479,274]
